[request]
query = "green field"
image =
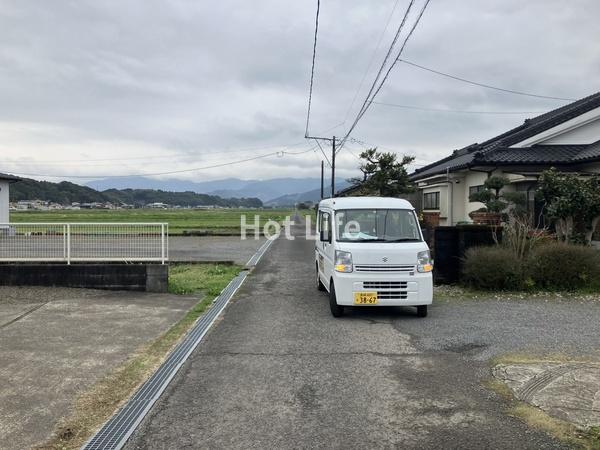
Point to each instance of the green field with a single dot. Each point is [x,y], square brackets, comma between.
[216,221]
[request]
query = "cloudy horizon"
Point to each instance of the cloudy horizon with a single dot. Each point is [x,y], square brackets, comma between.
[94,89]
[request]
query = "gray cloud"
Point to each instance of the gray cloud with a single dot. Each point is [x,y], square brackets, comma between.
[198,81]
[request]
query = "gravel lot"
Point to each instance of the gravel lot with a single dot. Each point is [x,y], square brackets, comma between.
[492,326]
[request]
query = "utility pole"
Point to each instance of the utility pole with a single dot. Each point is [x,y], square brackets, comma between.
[332,163]
[322,174]
[333,167]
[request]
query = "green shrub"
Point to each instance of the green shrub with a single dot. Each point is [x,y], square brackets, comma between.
[493,268]
[559,266]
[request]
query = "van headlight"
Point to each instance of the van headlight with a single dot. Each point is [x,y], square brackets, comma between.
[343,261]
[424,263]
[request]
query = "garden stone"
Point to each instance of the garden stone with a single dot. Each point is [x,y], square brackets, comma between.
[567,391]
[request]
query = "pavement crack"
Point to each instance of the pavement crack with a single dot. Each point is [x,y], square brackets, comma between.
[23,315]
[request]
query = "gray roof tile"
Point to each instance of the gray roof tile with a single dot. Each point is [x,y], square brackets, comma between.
[486,151]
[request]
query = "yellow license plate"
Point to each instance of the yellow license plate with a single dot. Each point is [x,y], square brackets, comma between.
[365,298]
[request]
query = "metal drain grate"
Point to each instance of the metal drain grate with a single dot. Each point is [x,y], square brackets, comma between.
[117,430]
[259,253]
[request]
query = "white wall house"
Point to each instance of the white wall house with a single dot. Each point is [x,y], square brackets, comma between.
[5,181]
[567,138]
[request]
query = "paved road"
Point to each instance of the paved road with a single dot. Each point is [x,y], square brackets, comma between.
[213,248]
[279,372]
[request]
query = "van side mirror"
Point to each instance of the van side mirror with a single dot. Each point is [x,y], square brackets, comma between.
[325,236]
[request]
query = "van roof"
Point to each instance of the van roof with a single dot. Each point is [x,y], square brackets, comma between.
[365,203]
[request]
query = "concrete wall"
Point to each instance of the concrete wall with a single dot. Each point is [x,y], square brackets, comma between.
[129,277]
[4,202]
[456,194]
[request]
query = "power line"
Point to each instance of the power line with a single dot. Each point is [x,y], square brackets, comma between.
[419,108]
[312,70]
[488,86]
[408,36]
[383,64]
[323,151]
[146,158]
[370,98]
[371,60]
[229,163]
[353,154]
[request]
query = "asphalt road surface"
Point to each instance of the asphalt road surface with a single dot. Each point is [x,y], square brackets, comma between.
[278,371]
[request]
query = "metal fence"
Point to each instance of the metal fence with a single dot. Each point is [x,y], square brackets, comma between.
[84,242]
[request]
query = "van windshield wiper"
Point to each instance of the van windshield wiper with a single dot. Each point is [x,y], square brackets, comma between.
[403,240]
[364,240]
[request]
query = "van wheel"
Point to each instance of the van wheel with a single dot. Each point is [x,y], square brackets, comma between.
[336,310]
[422,311]
[320,285]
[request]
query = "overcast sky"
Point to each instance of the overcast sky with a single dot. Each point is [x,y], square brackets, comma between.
[172,85]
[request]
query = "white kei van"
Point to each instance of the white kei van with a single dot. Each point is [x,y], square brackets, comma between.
[370,252]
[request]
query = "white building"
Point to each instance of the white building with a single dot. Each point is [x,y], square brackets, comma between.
[567,138]
[5,181]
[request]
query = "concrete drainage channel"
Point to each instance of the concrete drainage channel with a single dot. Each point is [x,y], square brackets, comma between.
[115,433]
[259,253]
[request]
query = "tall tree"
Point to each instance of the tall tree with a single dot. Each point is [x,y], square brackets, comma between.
[383,174]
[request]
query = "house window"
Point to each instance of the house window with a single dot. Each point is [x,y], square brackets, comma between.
[475,190]
[431,200]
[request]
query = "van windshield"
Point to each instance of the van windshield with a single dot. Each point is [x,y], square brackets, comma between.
[377,225]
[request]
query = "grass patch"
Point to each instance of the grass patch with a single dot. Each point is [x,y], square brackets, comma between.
[96,406]
[564,431]
[207,278]
[499,388]
[179,220]
[528,358]
[449,293]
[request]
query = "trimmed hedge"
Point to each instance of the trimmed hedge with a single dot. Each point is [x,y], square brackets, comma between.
[560,266]
[493,268]
[552,266]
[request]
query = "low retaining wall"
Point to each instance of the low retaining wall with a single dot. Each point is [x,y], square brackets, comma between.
[129,277]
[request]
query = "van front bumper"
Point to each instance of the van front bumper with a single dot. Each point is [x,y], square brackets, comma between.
[392,289]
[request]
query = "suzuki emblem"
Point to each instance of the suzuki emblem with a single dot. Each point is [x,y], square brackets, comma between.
[384,259]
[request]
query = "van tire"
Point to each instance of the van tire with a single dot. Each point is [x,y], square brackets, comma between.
[336,310]
[320,285]
[422,311]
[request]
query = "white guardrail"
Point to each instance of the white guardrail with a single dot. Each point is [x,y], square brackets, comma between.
[84,242]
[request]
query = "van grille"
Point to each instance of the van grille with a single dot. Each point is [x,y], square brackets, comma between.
[385,285]
[392,295]
[383,268]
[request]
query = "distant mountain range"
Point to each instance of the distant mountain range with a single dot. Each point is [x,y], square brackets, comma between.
[66,193]
[309,196]
[273,190]
[277,192]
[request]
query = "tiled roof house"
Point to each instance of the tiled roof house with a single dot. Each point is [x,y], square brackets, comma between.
[567,138]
